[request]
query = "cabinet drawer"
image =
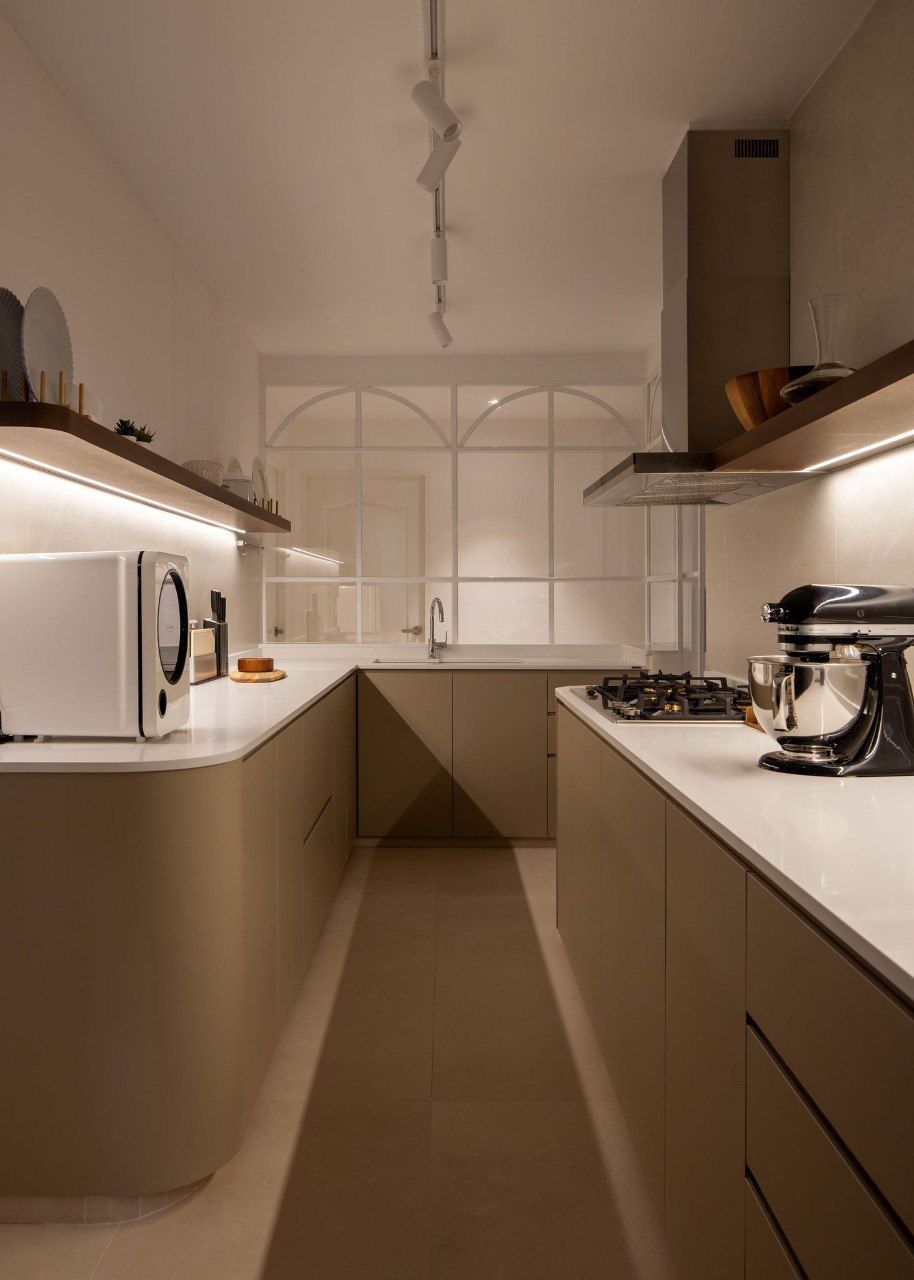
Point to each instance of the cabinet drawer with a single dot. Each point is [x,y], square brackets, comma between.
[551,797]
[551,735]
[766,1257]
[846,1039]
[560,679]
[834,1225]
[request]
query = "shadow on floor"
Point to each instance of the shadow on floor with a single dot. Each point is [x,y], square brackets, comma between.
[446,1134]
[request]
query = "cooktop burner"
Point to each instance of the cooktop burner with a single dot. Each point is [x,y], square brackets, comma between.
[658,696]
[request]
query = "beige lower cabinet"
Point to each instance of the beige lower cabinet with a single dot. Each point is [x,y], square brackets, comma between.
[567,729]
[290,896]
[344,748]
[767,1255]
[705,1052]
[499,761]
[261,1001]
[405,753]
[632,892]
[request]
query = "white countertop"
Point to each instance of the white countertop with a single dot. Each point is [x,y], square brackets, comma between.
[229,720]
[841,848]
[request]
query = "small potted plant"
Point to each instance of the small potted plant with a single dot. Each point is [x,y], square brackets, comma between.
[127,427]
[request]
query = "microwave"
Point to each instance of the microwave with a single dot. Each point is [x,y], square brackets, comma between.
[94,644]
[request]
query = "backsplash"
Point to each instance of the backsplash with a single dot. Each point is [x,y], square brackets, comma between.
[852,191]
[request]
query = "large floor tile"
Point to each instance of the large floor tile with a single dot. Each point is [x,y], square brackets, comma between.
[355,1205]
[519,1190]
[223,1231]
[401,871]
[523,871]
[52,1252]
[378,1042]
[498,1033]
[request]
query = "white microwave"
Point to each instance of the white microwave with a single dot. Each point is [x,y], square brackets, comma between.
[94,644]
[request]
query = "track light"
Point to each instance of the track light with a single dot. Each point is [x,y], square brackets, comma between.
[440,156]
[440,329]
[436,111]
[438,257]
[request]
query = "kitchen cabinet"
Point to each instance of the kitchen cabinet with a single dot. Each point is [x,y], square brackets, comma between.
[259,945]
[816,1007]
[568,727]
[578,854]
[767,1256]
[344,748]
[499,753]
[630,887]
[290,895]
[405,753]
[835,1225]
[705,1052]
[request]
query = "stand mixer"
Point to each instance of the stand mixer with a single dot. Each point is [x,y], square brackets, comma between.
[837,699]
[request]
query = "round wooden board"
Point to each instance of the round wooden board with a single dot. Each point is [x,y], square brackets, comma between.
[257,677]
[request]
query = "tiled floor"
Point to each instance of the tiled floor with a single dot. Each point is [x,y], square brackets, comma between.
[437,1107]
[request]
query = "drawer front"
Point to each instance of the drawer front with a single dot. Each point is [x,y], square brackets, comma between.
[766,1256]
[550,735]
[551,797]
[847,1040]
[836,1228]
[561,679]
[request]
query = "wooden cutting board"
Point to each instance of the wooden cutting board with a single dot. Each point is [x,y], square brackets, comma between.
[257,677]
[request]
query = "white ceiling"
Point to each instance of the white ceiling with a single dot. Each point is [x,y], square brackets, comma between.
[277,142]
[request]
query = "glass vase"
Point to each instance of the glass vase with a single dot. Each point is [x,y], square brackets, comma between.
[828,315]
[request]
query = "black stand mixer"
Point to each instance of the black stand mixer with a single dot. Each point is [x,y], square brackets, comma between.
[838,700]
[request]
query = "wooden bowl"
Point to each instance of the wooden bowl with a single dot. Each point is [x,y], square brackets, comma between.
[255,665]
[755,397]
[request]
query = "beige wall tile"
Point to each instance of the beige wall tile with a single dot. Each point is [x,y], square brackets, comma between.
[875,267]
[756,551]
[874,104]
[812,158]
[816,275]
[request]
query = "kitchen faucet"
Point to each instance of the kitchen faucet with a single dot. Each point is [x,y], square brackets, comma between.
[433,644]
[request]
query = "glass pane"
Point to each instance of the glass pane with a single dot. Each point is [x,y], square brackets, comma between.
[406,515]
[504,612]
[691,539]
[584,415]
[664,523]
[664,615]
[328,419]
[593,541]
[392,610]
[599,613]
[311,612]
[386,420]
[521,420]
[502,515]
[316,491]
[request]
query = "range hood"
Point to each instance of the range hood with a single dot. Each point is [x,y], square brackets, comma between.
[726,308]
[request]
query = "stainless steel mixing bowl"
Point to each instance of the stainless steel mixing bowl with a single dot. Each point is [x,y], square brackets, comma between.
[805,705]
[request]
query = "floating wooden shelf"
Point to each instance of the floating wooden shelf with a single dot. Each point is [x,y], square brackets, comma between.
[56,439]
[866,412]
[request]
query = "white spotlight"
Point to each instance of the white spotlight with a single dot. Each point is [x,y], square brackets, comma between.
[436,111]
[440,329]
[438,258]
[440,156]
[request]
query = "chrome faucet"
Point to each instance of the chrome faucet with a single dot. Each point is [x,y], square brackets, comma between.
[433,644]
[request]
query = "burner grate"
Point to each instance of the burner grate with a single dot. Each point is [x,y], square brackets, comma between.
[662,696]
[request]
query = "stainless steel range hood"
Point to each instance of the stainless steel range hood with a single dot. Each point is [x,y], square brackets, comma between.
[726,294]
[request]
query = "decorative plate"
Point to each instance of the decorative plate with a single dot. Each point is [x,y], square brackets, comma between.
[11,357]
[46,343]
[261,483]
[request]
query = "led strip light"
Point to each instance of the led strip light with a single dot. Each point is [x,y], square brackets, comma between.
[64,474]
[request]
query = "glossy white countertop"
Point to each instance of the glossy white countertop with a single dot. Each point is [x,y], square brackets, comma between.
[229,720]
[841,848]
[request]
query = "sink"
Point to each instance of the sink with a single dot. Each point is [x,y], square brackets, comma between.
[448,662]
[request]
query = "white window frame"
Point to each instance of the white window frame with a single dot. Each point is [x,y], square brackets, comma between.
[454,447]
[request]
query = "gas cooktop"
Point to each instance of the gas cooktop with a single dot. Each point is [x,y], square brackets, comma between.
[651,696]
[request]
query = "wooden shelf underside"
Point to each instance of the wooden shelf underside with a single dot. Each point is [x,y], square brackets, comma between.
[55,438]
